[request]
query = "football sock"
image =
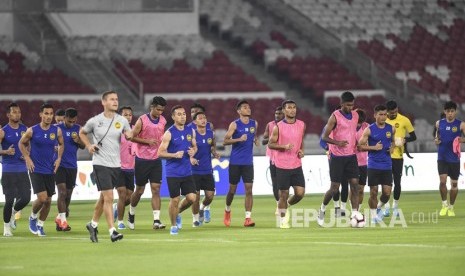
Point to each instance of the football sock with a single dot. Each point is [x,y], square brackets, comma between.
[373,213]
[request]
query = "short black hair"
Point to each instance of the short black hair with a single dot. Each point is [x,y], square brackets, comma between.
[12,104]
[240,103]
[60,112]
[379,107]
[71,112]
[197,105]
[157,100]
[173,109]
[450,105]
[283,105]
[197,114]
[106,93]
[120,110]
[279,108]
[45,105]
[347,97]
[362,116]
[391,105]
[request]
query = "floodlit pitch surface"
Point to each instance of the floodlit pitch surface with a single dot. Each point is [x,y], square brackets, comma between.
[429,245]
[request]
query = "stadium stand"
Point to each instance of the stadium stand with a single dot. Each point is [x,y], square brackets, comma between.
[420,41]
[23,71]
[299,63]
[30,109]
[176,63]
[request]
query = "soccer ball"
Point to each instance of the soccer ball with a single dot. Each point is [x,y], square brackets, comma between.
[357,220]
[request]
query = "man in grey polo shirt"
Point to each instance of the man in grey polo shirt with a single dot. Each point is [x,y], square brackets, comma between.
[106,129]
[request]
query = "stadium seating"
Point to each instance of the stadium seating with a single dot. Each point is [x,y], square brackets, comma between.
[30,109]
[314,76]
[217,74]
[24,72]
[290,57]
[168,64]
[422,42]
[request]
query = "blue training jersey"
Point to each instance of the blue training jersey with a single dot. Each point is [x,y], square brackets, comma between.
[181,140]
[43,148]
[69,158]
[204,153]
[323,144]
[447,132]
[13,163]
[242,152]
[380,159]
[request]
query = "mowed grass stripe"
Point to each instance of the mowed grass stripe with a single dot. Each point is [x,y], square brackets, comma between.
[420,249]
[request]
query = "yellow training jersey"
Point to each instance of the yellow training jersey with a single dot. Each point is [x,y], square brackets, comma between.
[403,126]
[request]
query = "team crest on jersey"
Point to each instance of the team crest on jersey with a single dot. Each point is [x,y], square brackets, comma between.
[209,141]
[189,137]
[22,133]
[454,129]
[52,136]
[397,125]
[252,130]
[388,134]
[74,134]
[118,125]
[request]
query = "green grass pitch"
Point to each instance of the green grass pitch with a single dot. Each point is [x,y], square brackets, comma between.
[427,246]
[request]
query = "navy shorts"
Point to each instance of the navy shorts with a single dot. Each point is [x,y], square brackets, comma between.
[13,182]
[289,178]
[379,177]
[451,169]
[362,179]
[43,182]
[126,180]
[343,167]
[204,182]
[67,176]
[180,186]
[238,171]
[148,171]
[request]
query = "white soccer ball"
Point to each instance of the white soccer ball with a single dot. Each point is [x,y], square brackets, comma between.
[357,220]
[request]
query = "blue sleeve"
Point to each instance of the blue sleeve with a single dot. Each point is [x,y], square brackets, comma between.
[323,143]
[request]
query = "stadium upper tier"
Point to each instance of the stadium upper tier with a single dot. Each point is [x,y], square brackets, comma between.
[23,71]
[168,63]
[284,52]
[422,42]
